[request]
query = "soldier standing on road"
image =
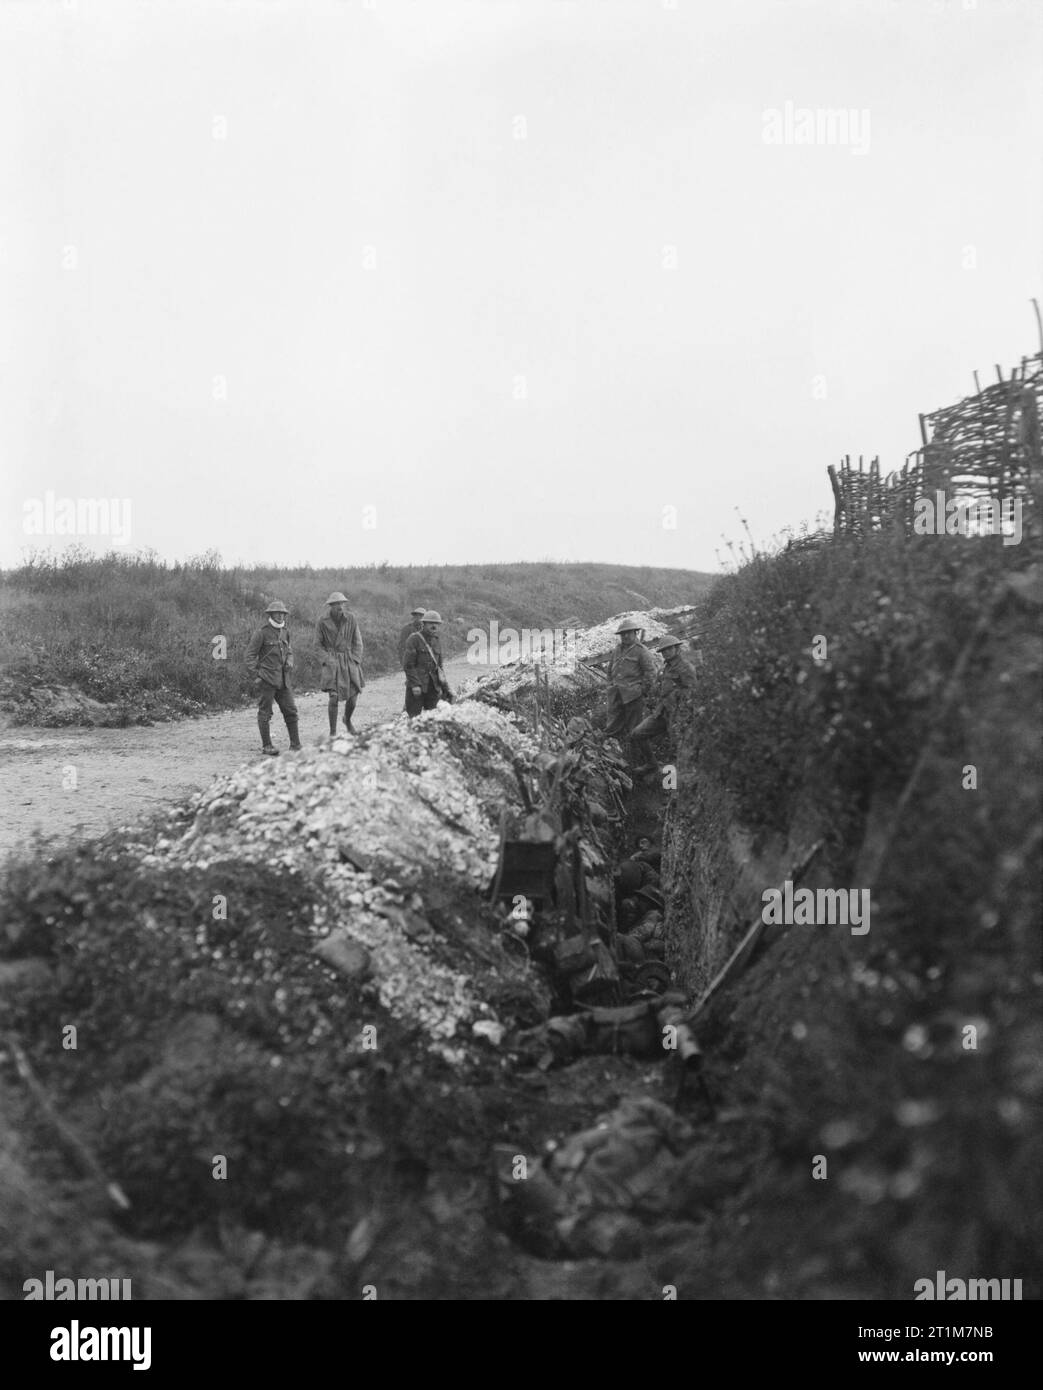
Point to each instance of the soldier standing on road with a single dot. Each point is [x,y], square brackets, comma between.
[269,660]
[426,681]
[406,633]
[630,676]
[672,702]
[341,643]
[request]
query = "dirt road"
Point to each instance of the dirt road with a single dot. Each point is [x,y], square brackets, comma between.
[80,782]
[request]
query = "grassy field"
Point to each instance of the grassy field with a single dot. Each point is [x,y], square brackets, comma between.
[122,639]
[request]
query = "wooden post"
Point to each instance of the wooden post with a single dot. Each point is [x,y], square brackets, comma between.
[838,499]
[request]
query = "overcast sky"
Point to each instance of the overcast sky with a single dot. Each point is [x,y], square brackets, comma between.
[516,277]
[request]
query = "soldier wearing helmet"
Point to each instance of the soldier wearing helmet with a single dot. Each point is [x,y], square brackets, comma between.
[630,676]
[426,681]
[672,700]
[269,659]
[416,617]
[341,643]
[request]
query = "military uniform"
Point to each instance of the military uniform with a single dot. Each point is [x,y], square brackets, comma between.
[341,644]
[404,635]
[422,663]
[630,675]
[673,696]
[269,658]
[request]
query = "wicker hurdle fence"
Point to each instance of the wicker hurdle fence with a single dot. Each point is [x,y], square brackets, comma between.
[985,446]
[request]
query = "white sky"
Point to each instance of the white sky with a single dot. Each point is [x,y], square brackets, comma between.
[390,125]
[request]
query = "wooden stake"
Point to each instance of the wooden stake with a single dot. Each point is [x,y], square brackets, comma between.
[67,1137]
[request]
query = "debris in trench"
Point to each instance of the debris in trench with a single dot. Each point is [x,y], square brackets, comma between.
[650,1027]
[586,1198]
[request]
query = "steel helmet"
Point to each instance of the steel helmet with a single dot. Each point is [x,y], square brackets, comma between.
[628,625]
[336,597]
[669,642]
[277,607]
[417,612]
[430,616]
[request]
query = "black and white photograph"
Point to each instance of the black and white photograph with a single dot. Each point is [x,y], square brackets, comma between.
[521,679]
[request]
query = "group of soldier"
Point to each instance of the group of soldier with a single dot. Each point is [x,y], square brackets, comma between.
[269,660]
[642,701]
[634,684]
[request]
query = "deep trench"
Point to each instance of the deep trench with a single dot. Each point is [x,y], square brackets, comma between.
[638,1025]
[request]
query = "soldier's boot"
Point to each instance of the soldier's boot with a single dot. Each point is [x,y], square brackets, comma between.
[331,710]
[291,729]
[265,726]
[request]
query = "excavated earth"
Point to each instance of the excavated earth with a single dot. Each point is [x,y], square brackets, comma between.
[281,1041]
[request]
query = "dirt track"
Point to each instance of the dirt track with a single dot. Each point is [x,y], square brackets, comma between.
[121,774]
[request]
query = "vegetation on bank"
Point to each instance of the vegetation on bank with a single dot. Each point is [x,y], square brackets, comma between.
[905,1059]
[123,639]
[828,663]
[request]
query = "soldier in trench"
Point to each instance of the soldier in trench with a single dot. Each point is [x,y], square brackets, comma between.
[672,702]
[631,673]
[269,659]
[341,643]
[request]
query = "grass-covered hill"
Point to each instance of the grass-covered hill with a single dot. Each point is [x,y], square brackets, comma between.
[123,638]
